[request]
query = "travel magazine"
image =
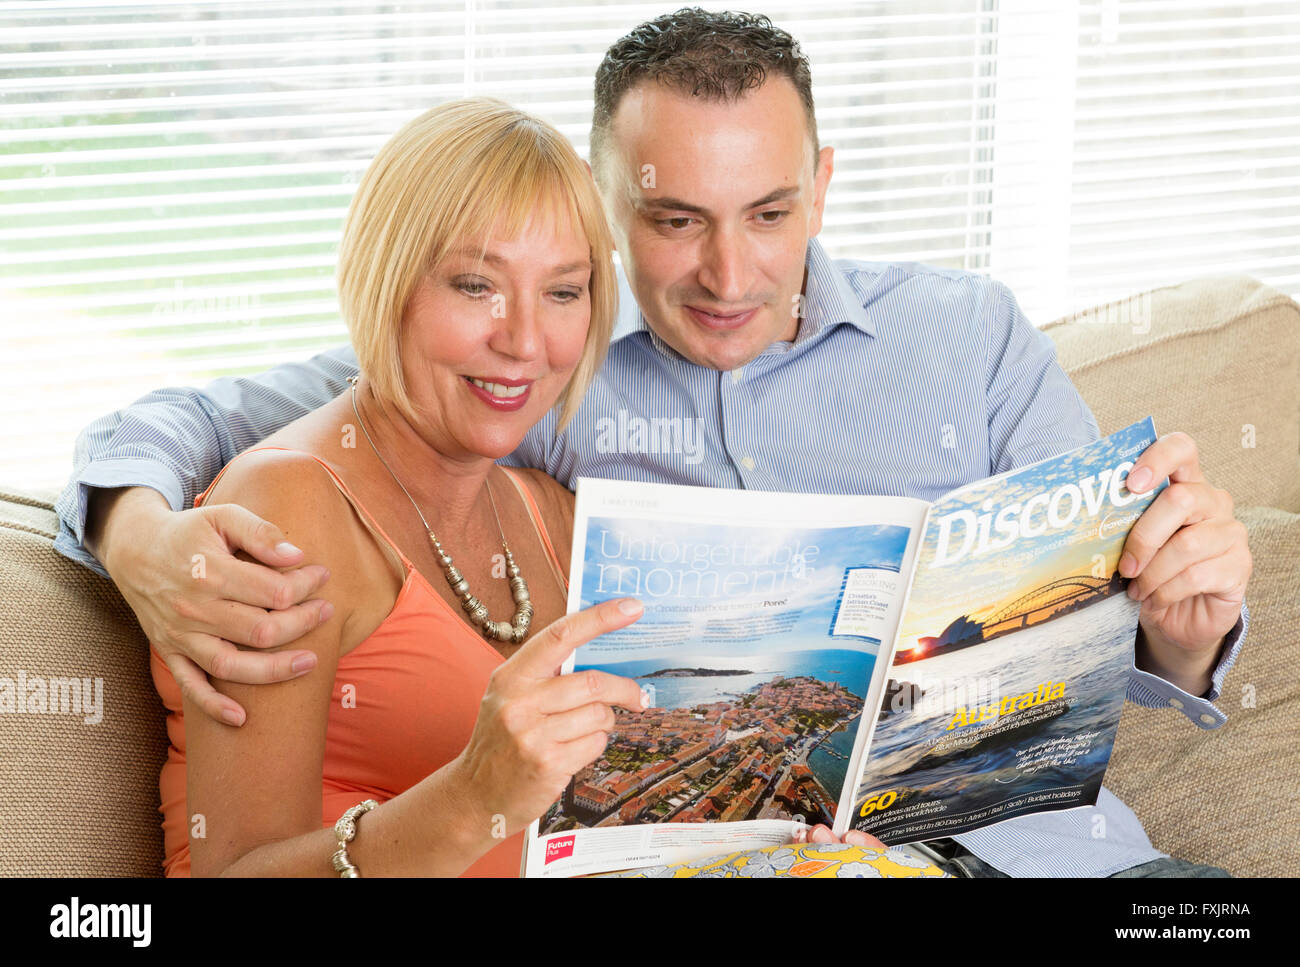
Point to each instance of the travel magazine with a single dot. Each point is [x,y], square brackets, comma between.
[910,669]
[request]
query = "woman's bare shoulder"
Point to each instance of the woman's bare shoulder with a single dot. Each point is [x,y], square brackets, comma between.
[555,502]
[291,483]
[294,490]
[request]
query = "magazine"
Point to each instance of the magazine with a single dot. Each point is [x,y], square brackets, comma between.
[910,669]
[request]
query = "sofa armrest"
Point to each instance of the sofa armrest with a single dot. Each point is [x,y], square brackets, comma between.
[86,735]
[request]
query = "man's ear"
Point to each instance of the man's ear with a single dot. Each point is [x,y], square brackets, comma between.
[821,181]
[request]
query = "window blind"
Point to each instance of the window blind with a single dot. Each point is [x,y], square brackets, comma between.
[174,175]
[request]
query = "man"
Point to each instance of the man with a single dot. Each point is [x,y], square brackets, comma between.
[801,374]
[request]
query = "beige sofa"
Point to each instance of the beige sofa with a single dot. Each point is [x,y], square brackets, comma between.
[1218,358]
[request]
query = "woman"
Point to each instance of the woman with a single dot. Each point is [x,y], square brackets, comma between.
[476,278]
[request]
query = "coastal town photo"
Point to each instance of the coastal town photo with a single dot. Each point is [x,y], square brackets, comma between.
[756,697]
[742,755]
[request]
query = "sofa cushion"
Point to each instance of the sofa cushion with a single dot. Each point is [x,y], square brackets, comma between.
[80,795]
[1228,796]
[1218,358]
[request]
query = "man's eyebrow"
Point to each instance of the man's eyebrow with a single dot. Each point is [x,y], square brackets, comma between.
[492,258]
[778,194]
[677,204]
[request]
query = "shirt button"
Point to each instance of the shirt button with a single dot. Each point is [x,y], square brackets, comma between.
[747,463]
[1175,703]
[1207,718]
[736,374]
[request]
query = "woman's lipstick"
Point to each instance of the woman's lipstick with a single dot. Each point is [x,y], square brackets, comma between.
[503,395]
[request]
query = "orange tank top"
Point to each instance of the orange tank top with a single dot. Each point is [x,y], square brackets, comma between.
[418,679]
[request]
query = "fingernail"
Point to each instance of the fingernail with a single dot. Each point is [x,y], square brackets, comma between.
[287,549]
[630,606]
[232,717]
[303,663]
[1138,480]
[326,611]
[1127,565]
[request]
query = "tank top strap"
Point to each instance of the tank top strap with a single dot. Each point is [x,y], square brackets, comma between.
[390,548]
[535,514]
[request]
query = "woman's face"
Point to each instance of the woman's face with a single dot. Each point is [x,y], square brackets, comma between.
[488,344]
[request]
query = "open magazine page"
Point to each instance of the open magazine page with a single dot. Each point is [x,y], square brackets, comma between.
[1013,656]
[764,615]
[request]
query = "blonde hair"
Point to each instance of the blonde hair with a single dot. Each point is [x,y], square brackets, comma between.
[456,173]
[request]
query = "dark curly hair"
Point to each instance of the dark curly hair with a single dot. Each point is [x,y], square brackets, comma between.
[718,56]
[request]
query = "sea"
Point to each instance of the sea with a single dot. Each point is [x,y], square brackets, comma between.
[852,669]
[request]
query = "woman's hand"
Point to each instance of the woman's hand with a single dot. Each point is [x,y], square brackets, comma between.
[536,729]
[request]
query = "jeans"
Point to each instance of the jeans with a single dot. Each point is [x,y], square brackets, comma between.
[962,862]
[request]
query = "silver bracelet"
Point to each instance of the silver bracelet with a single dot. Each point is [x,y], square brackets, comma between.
[345,830]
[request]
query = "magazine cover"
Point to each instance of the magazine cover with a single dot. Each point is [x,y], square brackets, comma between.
[763,624]
[1012,660]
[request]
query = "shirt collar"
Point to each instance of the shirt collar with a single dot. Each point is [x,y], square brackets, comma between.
[829,299]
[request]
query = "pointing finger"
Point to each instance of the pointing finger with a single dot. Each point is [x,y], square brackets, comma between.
[541,656]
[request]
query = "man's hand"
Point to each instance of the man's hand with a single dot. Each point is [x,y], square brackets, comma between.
[193,597]
[823,834]
[1190,562]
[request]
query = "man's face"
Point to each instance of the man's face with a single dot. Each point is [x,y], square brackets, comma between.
[714,232]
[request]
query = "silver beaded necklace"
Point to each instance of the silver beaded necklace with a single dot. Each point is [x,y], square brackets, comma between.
[514,630]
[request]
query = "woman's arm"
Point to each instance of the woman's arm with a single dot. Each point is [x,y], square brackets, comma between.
[258,787]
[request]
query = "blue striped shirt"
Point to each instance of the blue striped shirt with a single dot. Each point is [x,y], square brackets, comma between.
[904,379]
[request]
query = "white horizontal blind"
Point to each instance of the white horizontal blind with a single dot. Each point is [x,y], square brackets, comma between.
[1172,152]
[173,175]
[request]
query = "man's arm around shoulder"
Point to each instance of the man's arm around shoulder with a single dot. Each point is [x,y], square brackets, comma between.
[175,441]
[139,469]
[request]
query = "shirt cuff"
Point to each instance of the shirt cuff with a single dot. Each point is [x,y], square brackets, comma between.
[106,475]
[1152,691]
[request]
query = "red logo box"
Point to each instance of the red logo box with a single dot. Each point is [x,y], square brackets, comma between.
[559,848]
